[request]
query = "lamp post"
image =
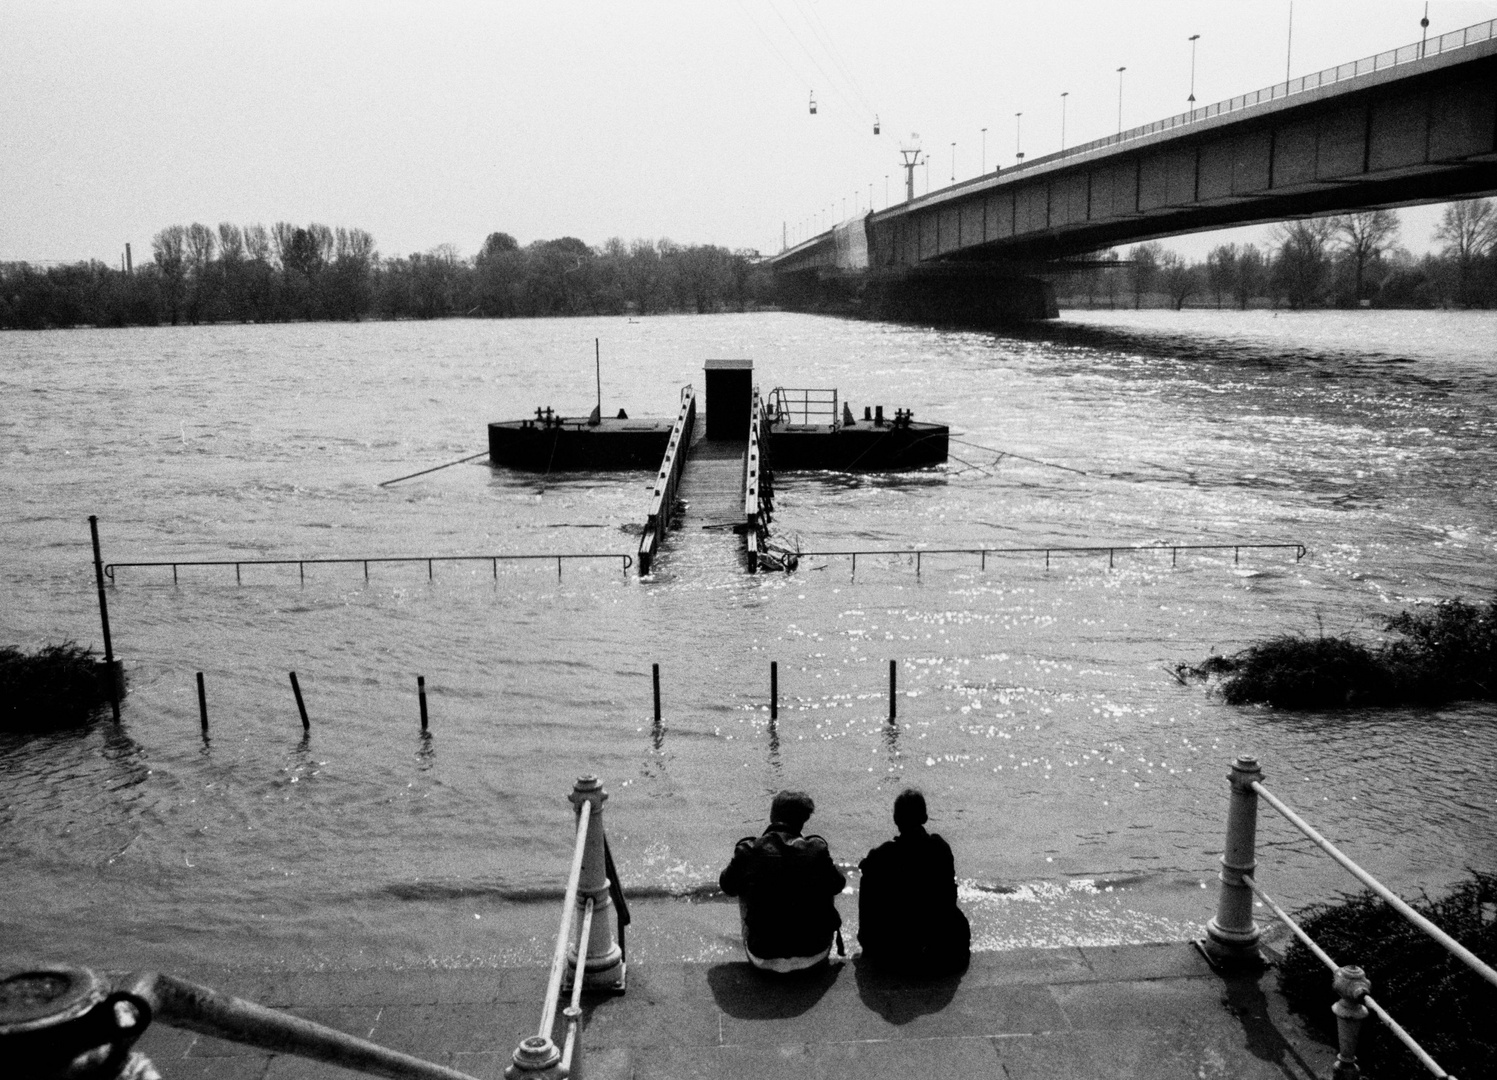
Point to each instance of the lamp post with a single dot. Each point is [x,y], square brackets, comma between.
[1120,99]
[1019,135]
[1423,29]
[1192,99]
[953,163]
[984,150]
[1063,95]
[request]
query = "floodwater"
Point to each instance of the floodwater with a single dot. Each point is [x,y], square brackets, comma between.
[1080,785]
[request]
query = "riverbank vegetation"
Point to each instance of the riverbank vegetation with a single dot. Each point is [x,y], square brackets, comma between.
[1346,261]
[1442,1003]
[54,688]
[1445,653]
[198,274]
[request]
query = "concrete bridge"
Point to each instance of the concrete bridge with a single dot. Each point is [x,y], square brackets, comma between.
[1412,125]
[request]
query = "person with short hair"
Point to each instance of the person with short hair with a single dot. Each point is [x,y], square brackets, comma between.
[786,886]
[908,919]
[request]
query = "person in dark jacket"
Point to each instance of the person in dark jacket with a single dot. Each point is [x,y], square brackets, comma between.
[908,920]
[786,884]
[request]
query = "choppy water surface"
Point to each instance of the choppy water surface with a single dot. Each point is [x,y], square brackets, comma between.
[1081,787]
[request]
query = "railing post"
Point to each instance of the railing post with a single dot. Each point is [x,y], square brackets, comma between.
[1232,935]
[1351,985]
[603,963]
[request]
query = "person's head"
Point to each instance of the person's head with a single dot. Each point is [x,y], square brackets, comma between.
[909,810]
[791,808]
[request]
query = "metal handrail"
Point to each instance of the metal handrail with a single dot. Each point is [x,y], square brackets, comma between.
[1299,550]
[429,560]
[811,401]
[1366,999]
[1455,948]
[564,933]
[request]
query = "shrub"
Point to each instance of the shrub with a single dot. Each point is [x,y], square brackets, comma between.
[1441,1002]
[1446,653]
[59,686]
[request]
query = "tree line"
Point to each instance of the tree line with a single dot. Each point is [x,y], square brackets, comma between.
[1346,260]
[200,274]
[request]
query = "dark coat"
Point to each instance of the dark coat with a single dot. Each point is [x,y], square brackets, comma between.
[787,883]
[907,914]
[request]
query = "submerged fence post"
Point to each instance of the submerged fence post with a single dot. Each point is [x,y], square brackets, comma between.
[600,960]
[300,705]
[655,675]
[774,689]
[1232,935]
[111,673]
[421,693]
[202,705]
[1351,985]
[893,689]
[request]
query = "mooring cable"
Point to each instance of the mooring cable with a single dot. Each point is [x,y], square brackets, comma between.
[434,468]
[1009,453]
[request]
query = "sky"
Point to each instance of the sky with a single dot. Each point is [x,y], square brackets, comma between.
[442,121]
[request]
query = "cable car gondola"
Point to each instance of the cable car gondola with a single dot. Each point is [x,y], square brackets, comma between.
[813,102]
[875,123]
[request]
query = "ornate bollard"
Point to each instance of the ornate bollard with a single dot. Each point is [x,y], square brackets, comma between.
[603,966]
[1232,936]
[1351,985]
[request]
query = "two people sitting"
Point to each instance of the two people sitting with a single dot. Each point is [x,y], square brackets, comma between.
[786,885]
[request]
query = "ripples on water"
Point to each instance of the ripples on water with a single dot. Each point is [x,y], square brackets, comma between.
[1082,789]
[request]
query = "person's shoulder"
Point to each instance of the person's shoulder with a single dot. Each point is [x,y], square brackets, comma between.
[879,855]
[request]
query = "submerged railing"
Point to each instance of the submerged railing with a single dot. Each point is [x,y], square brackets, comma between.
[594,959]
[1232,935]
[804,405]
[755,483]
[663,501]
[1061,549]
[302,564]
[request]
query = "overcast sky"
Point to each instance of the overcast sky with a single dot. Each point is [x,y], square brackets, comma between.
[442,121]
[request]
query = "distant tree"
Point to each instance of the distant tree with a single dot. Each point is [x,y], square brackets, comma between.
[169,247]
[1364,236]
[498,270]
[1301,267]
[1250,276]
[200,245]
[1145,269]
[1221,270]
[1179,279]
[1468,232]
[347,291]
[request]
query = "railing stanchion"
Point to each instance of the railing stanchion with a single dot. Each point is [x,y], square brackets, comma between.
[597,961]
[1232,936]
[1351,985]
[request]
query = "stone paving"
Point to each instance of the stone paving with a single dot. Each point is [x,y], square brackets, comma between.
[1155,1011]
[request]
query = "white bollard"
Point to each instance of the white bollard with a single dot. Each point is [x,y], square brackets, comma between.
[603,966]
[1232,935]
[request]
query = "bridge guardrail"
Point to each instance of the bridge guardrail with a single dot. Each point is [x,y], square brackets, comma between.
[1232,934]
[663,502]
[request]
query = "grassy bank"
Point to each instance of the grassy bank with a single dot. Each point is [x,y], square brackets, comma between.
[56,687]
[1444,653]
[1442,1003]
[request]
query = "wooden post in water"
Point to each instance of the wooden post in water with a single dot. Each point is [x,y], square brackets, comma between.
[893,689]
[301,706]
[655,672]
[421,693]
[774,689]
[109,670]
[202,705]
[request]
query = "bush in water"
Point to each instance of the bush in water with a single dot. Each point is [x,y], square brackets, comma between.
[57,687]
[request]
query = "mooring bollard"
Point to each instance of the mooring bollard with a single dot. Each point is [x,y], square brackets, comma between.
[603,963]
[1232,935]
[893,689]
[421,693]
[1351,985]
[655,675]
[202,705]
[774,689]
[301,707]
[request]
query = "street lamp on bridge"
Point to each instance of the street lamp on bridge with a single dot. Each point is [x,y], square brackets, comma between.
[984,150]
[1063,95]
[1120,99]
[1018,135]
[953,163]
[1192,99]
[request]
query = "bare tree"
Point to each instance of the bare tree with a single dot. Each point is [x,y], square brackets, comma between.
[1178,278]
[1301,268]
[1468,231]
[1249,276]
[169,248]
[1221,268]
[1145,268]
[1364,237]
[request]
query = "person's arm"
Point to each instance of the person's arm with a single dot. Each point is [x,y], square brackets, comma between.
[947,863]
[735,876]
[833,880]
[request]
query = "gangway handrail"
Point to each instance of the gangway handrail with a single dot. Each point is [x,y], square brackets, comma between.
[1232,935]
[658,518]
[365,560]
[811,401]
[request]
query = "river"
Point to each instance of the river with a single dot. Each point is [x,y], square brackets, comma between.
[1081,786]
